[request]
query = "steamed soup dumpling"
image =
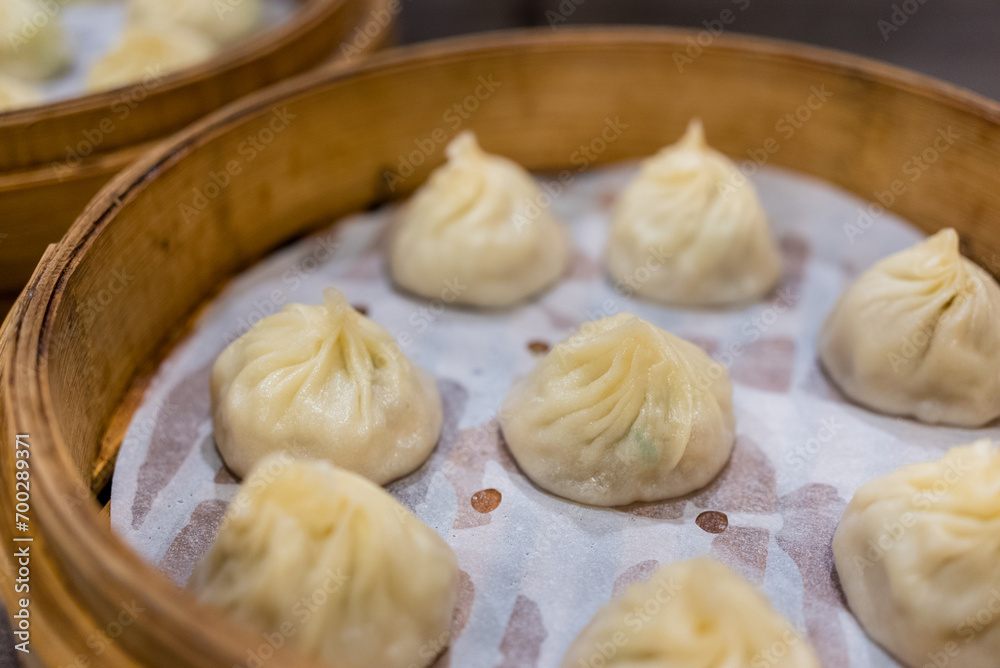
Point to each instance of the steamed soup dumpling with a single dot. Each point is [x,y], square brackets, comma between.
[477,233]
[222,21]
[918,555]
[15,94]
[145,54]
[690,614]
[918,335]
[324,382]
[299,528]
[621,411]
[31,49]
[690,230]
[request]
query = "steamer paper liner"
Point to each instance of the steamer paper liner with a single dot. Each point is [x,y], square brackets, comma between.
[92,29]
[537,568]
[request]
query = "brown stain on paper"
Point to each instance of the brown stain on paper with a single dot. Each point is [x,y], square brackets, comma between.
[186,408]
[522,642]
[811,514]
[743,549]
[486,500]
[412,490]
[640,572]
[467,464]
[538,347]
[766,364]
[712,521]
[582,267]
[795,255]
[463,610]
[746,484]
[194,540]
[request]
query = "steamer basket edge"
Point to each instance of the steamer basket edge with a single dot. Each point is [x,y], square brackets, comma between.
[38,135]
[875,120]
[43,187]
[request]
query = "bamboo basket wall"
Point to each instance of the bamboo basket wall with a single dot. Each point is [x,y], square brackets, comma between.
[71,383]
[56,156]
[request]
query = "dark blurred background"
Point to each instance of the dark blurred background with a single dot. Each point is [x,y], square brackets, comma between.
[955,40]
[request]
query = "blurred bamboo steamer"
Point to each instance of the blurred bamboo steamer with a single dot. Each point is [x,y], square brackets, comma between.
[56,156]
[71,383]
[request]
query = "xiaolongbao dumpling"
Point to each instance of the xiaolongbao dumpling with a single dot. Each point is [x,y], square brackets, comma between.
[361,580]
[621,411]
[324,382]
[690,230]
[221,22]
[145,53]
[918,554]
[918,335]
[477,233]
[15,94]
[690,614]
[32,42]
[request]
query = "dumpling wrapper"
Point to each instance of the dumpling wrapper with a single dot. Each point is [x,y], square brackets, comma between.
[477,233]
[621,411]
[918,335]
[324,382]
[690,230]
[334,559]
[223,22]
[32,42]
[690,614]
[918,555]
[146,54]
[15,94]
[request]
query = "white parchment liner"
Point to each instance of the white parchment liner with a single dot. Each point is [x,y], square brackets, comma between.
[537,568]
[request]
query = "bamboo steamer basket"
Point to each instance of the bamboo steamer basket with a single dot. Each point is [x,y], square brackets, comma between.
[56,156]
[72,382]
